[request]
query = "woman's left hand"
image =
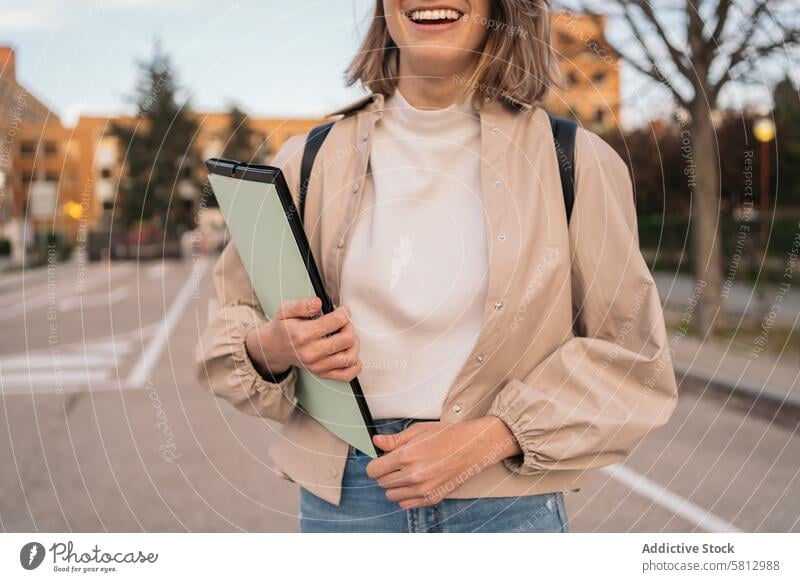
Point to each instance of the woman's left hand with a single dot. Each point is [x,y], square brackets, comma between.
[429,460]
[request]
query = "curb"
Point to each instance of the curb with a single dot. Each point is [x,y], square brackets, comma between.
[763,393]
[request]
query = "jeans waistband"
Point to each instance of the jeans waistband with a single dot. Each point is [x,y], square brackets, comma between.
[395,425]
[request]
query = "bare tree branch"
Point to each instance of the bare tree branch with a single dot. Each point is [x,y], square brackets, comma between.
[753,19]
[678,57]
[652,69]
[746,51]
[722,17]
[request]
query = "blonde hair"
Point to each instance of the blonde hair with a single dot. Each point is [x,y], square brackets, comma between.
[517,63]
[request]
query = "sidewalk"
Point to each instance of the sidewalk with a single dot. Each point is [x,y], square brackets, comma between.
[675,289]
[764,375]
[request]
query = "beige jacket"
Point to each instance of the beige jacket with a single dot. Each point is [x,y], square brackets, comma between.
[576,397]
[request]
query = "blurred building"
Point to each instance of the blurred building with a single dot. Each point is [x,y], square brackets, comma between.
[101,161]
[591,71]
[20,114]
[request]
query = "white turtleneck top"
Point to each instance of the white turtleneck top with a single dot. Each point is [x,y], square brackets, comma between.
[415,274]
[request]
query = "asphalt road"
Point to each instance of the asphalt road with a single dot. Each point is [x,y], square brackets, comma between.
[102,427]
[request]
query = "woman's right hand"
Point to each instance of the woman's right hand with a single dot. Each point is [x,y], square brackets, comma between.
[327,346]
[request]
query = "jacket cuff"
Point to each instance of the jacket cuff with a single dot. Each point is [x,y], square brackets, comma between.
[248,375]
[523,463]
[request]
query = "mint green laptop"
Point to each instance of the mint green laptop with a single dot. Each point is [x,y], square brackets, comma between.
[262,219]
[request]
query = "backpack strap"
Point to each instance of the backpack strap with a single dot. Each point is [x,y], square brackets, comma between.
[316,137]
[564,131]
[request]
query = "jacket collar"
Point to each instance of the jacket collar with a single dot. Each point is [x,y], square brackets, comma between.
[374,102]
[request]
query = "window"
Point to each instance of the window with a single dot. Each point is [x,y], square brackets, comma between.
[50,148]
[572,79]
[599,116]
[105,173]
[27,148]
[564,39]
[599,77]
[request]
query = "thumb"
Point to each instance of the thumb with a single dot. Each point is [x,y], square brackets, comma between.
[390,442]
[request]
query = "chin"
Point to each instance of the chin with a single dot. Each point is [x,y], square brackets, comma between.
[438,60]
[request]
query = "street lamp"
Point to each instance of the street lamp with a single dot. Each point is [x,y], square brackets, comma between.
[764,132]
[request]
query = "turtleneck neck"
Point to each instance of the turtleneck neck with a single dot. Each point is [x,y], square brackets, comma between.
[429,120]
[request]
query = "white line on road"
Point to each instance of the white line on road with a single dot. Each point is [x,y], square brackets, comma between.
[681,506]
[143,368]
[51,378]
[98,300]
[156,271]
[76,360]
[21,301]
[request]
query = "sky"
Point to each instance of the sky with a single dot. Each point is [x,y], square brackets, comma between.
[273,58]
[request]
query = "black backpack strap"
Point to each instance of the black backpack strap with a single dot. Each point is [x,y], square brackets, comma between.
[564,131]
[316,137]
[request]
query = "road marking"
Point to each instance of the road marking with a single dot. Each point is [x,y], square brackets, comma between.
[681,506]
[20,362]
[77,366]
[156,271]
[144,367]
[47,378]
[98,300]
[20,301]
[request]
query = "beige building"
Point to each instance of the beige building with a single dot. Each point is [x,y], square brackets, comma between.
[591,71]
[21,115]
[101,160]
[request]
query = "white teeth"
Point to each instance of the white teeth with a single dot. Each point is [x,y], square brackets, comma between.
[445,14]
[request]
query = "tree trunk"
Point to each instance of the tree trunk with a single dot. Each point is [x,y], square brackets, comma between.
[701,159]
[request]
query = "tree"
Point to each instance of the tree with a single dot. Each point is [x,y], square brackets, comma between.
[707,44]
[240,136]
[787,122]
[157,147]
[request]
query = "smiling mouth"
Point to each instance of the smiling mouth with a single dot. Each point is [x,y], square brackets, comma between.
[434,16]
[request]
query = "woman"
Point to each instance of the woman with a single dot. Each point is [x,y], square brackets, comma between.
[504,351]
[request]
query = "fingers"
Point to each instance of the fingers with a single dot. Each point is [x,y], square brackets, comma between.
[389,442]
[399,494]
[343,374]
[332,322]
[302,308]
[396,479]
[328,345]
[417,502]
[331,352]
[384,465]
[344,359]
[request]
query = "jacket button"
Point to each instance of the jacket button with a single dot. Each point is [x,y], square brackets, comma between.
[498,305]
[355,188]
[457,409]
[501,236]
[333,472]
[496,183]
[479,359]
[495,129]
[340,244]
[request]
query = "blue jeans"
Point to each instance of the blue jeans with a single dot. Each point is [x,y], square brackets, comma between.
[364,507]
